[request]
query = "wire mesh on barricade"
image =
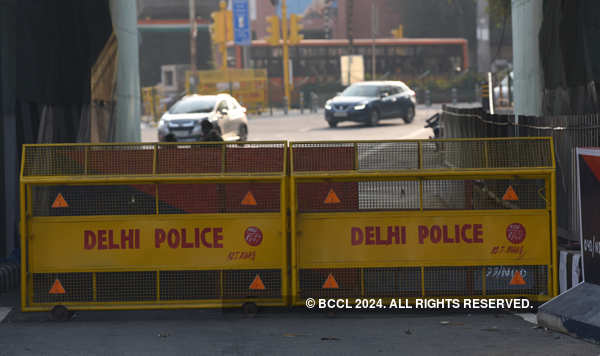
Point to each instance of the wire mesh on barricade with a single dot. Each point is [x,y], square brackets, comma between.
[568,131]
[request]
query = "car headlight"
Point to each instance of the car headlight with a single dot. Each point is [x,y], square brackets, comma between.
[197,130]
[327,106]
[162,126]
[360,107]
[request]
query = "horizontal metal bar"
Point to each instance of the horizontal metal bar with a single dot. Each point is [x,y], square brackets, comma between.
[171,217]
[248,267]
[427,173]
[426,213]
[151,179]
[134,144]
[527,138]
[421,263]
[217,303]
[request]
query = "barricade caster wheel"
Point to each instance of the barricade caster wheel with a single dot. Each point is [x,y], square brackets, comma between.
[250,309]
[60,313]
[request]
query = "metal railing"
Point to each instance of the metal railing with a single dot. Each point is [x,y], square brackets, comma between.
[568,132]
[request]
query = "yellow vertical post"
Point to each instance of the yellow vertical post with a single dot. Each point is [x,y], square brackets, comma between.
[554,246]
[94,287]
[24,261]
[356,161]
[422,281]
[85,160]
[483,286]
[224,56]
[293,242]
[486,154]
[286,54]
[158,286]
[285,287]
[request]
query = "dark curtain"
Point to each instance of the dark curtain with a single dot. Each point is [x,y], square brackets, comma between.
[47,49]
[570,56]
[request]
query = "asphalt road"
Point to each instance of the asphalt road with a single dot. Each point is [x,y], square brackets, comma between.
[283,332]
[312,126]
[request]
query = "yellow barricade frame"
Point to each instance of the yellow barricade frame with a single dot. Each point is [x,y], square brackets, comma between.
[420,174]
[86,177]
[490,168]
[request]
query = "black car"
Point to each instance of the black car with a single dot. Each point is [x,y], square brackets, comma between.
[369,102]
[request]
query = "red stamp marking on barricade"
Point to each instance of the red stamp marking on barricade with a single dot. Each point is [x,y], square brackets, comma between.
[515,233]
[253,236]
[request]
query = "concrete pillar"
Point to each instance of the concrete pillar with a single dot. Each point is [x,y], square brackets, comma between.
[124,18]
[528,76]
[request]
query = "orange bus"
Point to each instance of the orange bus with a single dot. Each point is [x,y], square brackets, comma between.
[319,60]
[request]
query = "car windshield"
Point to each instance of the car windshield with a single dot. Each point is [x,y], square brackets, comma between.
[360,90]
[193,106]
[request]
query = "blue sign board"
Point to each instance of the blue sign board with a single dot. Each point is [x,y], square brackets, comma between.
[241,23]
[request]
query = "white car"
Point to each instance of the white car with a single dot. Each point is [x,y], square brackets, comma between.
[183,121]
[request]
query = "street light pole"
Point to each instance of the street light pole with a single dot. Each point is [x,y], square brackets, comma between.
[223,9]
[193,41]
[349,15]
[286,54]
[373,34]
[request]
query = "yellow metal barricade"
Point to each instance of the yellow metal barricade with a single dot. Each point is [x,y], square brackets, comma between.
[456,218]
[134,226]
[249,86]
[151,103]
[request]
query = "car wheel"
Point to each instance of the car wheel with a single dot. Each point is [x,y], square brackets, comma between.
[410,114]
[374,118]
[243,133]
[332,124]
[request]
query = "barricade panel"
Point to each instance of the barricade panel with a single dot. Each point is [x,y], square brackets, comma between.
[439,218]
[78,287]
[254,158]
[324,157]
[388,156]
[190,285]
[193,159]
[126,160]
[392,282]
[338,196]
[126,286]
[154,225]
[453,281]
[481,194]
[189,198]
[87,200]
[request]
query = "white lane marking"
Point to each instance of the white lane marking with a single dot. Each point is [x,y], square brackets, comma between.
[4,312]
[425,132]
[529,317]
